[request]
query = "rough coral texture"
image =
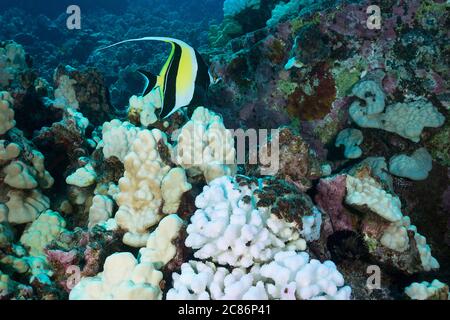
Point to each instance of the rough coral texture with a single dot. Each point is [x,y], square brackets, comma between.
[435,290]
[143,187]
[6,112]
[12,63]
[231,229]
[294,159]
[204,145]
[405,119]
[42,231]
[101,210]
[290,276]
[415,167]
[117,139]
[24,176]
[160,248]
[123,278]
[350,139]
[387,234]
[144,109]
[84,90]
[140,195]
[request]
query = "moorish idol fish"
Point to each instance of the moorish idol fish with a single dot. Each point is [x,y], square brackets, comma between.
[184,79]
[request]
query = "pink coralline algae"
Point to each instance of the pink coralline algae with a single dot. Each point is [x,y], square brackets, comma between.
[330,198]
[406,10]
[61,262]
[352,21]
[389,83]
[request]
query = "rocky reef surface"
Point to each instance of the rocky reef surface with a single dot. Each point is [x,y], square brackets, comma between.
[98,201]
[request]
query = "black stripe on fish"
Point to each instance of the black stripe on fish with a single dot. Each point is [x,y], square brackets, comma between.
[170,87]
[150,79]
[202,82]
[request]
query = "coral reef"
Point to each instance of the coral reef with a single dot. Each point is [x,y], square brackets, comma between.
[248,234]
[123,278]
[289,276]
[205,146]
[435,290]
[389,236]
[346,168]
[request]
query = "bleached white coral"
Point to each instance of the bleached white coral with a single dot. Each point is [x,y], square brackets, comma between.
[204,281]
[160,248]
[230,229]
[141,196]
[407,119]
[123,278]
[233,7]
[42,176]
[6,285]
[428,261]
[8,151]
[289,276]
[366,191]
[415,167]
[173,186]
[292,275]
[22,177]
[372,93]
[25,206]
[426,290]
[82,177]
[46,228]
[117,139]
[146,107]
[80,120]
[350,139]
[395,237]
[12,61]
[100,211]
[205,146]
[378,168]
[18,175]
[311,225]
[6,112]
[65,96]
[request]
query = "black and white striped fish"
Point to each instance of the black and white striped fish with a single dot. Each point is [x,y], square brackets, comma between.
[183,80]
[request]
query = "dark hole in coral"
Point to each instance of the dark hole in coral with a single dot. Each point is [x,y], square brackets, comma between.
[346,245]
[56,161]
[32,114]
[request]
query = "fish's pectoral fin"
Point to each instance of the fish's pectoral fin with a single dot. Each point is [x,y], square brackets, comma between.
[150,79]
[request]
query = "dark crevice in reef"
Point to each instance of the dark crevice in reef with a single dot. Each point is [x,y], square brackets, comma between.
[33,114]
